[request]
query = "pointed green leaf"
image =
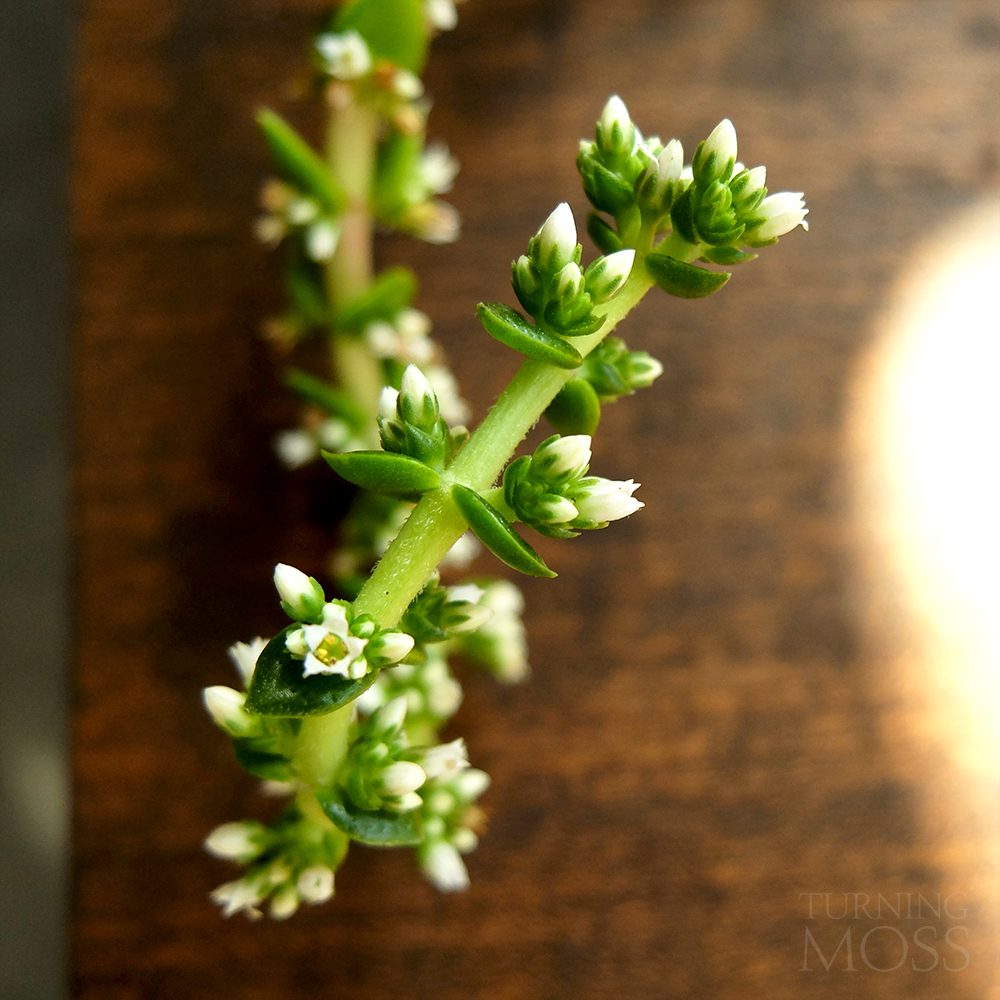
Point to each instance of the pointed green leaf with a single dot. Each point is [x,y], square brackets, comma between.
[304,283]
[394,29]
[391,292]
[576,409]
[397,476]
[495,532]
[511,328]
[326,397]
[378,828]
[605,238]
[728,256]
[260,763]
[682,216]
[279,688]
[683,280]
[299,163]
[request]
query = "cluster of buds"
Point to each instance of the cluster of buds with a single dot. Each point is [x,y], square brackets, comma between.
[551,491]
[289,211]
[450,822]
[431,693]
[404,339]
[613,370]
[715,201]
[331,639]
[410,422]
[289,863]
[500,643]
[301,445]
[439,613]
[551,286]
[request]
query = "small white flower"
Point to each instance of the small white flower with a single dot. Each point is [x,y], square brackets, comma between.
[321,239]
[610,274]
[445,760]
[783,212]
[239,895]
[722,142]
[416,393]
[391,715]
[464,840]
[756,179]
[438,168]
[471,617]
[295,448]
[244,656]
[284,903]
[270,230]
[441,14]
[569,281]
[401,778]
[315,884]
[444,697]
[608,500]
[466,592]
[300,592]
[452,407]
[644,372]
[407,802]
[387,402]
[557,510]
[237,841]
[557,237]
[435,221]
[295,642]
[301,211]
[443,865]
[332,649]
[226,707]
[277,789]
[346,54]
[392,646]
[564,455]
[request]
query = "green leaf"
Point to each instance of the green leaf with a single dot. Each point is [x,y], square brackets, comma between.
[576,409]
[304,283]
[495,532]
[259,763]
[511,328]
[391,292]
[605,238]
[683,280]
[378,828]
[398,180]
[279,688]
[299,163]
[682,216]
[326,397]
[397,476]
[728,256]
[394,29]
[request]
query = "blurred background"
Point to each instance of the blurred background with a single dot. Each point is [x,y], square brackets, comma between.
[763,722]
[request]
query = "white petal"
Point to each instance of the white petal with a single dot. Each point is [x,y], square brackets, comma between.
[443,865]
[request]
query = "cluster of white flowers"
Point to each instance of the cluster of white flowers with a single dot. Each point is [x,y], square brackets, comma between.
[302,445]
[406,339]
[287,210]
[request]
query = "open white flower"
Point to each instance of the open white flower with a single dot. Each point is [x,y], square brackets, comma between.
[607,500]
[244,656]
[783,212]
[329,648]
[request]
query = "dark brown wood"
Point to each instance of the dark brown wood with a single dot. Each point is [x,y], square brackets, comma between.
[712,729]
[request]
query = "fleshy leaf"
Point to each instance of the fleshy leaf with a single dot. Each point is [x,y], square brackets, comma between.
[394,30]
[299,163]
[511,328]
[728,256]
[391,291]
[279,688]
[495,532]
[605,238]
[576,409]
[378,828]
[392,475]
[325,396]
[683,280]
[259,763]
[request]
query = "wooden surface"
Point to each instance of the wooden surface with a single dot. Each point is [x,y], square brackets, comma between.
[714,725]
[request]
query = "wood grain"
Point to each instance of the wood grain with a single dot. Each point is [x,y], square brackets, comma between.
[705,735]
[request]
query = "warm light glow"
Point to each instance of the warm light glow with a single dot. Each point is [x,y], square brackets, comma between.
[927,437]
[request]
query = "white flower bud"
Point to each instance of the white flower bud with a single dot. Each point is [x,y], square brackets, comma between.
[445,760]
[387,403]
[470,784]
[295,642]
[239,895]
[644,372]
[608,500]
[401,778]
[315,884]
[469,592]
[444,697]
[391,715]
[464,617]
[346,54]
[321,240]
[244,656]
[669,165]
[464,840]
[557,238]
[722,142]
[608,274]
[284,903]
[407,802]
[569,282]
[614,113]
[226,708]
[438,168]
[406,85]
[391,646]
[783,212]
[303,596]
[237,841]
[301,211]
[295,448]
[569,454]
[443,865]
[557,510]
[441,14]
[417,402]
